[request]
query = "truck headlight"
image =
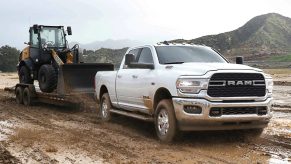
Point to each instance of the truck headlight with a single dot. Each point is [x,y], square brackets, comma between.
[269,85]
[189,85]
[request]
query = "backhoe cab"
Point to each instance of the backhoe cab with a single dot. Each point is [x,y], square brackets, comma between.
[47,49]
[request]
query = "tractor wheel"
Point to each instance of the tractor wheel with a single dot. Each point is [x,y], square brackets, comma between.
[47,78]
[24,75]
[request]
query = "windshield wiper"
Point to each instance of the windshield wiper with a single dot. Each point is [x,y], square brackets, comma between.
[175,63]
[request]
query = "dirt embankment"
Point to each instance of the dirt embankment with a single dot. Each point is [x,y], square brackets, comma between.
[51,134]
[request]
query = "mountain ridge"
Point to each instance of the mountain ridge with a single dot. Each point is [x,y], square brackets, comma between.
[262,35]
[109,43]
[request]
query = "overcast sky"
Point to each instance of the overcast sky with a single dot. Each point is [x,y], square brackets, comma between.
[143,20]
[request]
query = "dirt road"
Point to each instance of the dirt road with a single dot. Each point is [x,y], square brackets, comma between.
[51,134]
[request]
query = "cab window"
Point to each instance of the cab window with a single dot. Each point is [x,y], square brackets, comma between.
[146,56]
[34,39]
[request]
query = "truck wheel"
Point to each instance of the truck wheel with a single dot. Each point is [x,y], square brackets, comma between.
[19,95]
[27,99]
[47,78]
[165,121]
[105,106]
[24,75]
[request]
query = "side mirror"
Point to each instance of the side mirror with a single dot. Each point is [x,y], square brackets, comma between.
[129,58]
[239,60]
[27,43]
[35,29]
[69,30]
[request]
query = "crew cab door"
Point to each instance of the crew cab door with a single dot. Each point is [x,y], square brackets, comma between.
[124,84]
[139,84]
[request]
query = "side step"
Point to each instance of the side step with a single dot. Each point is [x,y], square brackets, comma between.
[133,115]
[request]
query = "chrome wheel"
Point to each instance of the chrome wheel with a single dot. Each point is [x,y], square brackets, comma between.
[104,109]
[163,122]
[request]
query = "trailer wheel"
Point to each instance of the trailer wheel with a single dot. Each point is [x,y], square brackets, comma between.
[105,106]
[47,78]
[24,75]
[19,95]
[165,121]
[27,99]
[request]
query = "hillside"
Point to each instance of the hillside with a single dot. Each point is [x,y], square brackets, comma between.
[104,55]
[261,37]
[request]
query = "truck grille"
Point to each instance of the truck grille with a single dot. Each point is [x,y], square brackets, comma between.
[217,111]
[237,85]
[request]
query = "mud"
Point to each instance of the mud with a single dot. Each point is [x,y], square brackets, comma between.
[51,134]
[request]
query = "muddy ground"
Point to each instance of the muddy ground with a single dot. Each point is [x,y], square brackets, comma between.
[51,134]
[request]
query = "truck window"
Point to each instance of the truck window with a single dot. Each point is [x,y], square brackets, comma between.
[145,56]
[187,54]
[135,52]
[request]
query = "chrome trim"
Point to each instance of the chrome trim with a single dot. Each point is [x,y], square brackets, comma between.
[254,83]
[205,122]
[217,81]
[203,95]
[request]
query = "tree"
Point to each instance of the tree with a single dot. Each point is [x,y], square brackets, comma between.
[8,58]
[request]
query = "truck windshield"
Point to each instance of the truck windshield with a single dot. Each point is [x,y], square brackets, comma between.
[52,37]
[187,54]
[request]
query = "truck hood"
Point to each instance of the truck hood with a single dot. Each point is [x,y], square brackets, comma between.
[203,68]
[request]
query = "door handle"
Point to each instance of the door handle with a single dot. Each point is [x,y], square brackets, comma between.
[134,76]
[119,76]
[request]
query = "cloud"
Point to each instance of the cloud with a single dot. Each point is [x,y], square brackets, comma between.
[145,20]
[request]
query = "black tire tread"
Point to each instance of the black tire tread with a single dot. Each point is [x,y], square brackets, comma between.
[51,78]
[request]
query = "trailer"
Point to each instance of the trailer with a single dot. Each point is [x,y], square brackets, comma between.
[75,86]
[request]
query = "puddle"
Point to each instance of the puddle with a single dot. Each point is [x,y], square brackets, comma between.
[275,159]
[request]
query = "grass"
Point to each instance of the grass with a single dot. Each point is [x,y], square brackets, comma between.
[281,58]
[278,71]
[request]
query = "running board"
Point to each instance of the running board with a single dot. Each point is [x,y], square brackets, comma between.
[133,115]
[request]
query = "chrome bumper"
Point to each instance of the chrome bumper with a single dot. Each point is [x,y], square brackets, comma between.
[204,121]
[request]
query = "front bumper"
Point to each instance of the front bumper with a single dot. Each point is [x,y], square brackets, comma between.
[204,121]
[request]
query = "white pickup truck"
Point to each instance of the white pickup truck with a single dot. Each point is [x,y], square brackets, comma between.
[186,87]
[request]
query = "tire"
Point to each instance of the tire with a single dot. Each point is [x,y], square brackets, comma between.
[47,78]
[165,121]
[24,75]
[19,95]
[27,99]
[105,106]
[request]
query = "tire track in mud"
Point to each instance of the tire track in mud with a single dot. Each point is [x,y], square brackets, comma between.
[123,139]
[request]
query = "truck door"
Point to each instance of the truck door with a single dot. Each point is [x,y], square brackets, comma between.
[124,84]
[144,81]
[34,48]
[133,86]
